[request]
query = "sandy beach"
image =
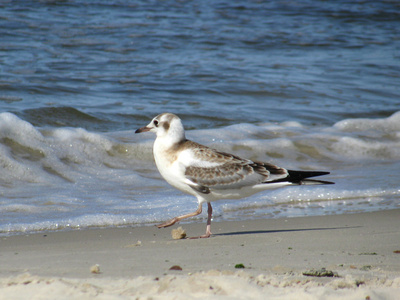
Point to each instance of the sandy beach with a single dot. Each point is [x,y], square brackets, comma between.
[351,256]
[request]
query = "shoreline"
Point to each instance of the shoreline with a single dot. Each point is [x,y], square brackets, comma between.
[361,249]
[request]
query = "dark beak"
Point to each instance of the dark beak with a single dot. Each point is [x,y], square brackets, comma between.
[143,129]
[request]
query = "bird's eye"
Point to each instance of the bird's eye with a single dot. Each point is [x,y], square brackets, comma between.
[155,123]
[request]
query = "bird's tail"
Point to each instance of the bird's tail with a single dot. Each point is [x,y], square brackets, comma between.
[302,177]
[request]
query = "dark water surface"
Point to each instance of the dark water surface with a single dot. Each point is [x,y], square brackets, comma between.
[109,65]
[303,84]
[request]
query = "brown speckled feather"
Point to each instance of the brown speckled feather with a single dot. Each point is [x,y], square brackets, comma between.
[219,170]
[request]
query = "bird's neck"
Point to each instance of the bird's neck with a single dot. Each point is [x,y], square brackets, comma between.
[168,143]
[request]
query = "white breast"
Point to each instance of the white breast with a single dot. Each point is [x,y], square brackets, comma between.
[170,167]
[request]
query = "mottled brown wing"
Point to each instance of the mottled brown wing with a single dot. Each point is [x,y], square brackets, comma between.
[230,171]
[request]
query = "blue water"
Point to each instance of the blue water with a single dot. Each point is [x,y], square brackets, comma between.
[307,85]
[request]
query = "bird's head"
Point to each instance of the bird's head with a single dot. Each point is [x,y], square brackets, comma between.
[165,125]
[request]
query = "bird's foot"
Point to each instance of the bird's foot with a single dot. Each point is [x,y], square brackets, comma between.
[204,236]
[168,223]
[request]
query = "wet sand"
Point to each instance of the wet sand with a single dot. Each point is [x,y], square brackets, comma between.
[242,260]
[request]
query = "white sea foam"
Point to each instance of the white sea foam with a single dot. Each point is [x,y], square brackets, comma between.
[61,178]
[387,125]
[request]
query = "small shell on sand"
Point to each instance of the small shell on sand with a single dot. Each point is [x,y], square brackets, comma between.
[178,233]
[95,269]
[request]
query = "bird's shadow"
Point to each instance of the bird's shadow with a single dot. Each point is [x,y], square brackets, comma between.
[282,230]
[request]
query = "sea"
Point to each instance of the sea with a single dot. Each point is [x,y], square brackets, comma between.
[308,85]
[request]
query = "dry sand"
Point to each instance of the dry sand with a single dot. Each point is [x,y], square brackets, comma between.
[361,250]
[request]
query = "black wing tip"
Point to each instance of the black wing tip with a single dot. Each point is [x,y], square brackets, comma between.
[299,176]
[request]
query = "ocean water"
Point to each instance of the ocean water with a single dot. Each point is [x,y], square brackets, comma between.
[310,85]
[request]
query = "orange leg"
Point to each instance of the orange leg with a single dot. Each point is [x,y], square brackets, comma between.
[197,212]
[177,219]
[208,228]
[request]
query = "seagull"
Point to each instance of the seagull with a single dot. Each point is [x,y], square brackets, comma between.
[211,175]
